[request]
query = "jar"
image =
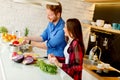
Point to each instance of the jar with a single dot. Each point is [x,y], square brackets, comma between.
[26,48]
[14,48]
[92,37]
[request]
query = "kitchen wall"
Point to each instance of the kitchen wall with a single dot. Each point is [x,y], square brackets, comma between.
[16,16]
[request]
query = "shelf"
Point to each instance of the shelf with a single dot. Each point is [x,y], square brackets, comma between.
[105,30]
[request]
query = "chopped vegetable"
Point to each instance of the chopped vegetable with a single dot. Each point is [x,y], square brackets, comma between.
[18,58]
[28,60]
[49,68]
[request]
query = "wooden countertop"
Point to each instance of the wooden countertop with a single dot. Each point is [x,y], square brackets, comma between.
[89,67]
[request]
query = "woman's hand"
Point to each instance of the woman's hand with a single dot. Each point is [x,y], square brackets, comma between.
[53,59]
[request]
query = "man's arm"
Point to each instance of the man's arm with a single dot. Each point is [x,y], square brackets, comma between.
[41,45]
[34,38]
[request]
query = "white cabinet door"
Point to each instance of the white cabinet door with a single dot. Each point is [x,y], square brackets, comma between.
[87,76]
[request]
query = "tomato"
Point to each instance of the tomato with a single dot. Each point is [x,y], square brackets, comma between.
[15,42]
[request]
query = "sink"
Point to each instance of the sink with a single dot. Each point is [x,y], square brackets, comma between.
[109,74]
[87,61]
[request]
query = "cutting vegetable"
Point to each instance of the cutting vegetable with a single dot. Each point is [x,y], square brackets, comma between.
[52,39]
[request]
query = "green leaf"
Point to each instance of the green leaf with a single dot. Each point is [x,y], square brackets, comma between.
[3,29]
[49,68]
[26,32]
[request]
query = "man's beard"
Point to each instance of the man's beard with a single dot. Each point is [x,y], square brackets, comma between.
[54,20]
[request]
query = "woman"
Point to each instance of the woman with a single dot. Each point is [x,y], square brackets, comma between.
[74,50]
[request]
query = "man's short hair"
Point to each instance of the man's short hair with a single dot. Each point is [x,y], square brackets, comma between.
[55,8]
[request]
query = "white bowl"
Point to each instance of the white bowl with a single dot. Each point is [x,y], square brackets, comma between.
[100,22]
[107,26]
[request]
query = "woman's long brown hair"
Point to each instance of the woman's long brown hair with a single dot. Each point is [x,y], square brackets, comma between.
[74,28]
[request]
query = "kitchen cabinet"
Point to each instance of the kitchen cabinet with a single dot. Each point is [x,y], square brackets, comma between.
[87,76]
[102,1]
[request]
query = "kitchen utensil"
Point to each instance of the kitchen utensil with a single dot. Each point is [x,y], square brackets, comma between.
[105,43]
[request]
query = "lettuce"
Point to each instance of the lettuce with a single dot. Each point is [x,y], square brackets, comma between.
[49,68]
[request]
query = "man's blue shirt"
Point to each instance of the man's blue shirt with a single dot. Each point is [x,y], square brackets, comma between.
[54,35]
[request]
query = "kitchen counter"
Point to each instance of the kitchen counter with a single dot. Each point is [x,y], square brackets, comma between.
[10,70]
[89,67]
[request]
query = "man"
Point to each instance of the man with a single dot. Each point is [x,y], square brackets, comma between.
[53,34]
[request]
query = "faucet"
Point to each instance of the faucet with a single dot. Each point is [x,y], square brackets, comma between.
[93,52]
[100,53]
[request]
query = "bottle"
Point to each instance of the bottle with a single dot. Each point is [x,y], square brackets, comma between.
[18,33]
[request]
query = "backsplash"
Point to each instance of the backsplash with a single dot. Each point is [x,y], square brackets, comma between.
[110,50]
